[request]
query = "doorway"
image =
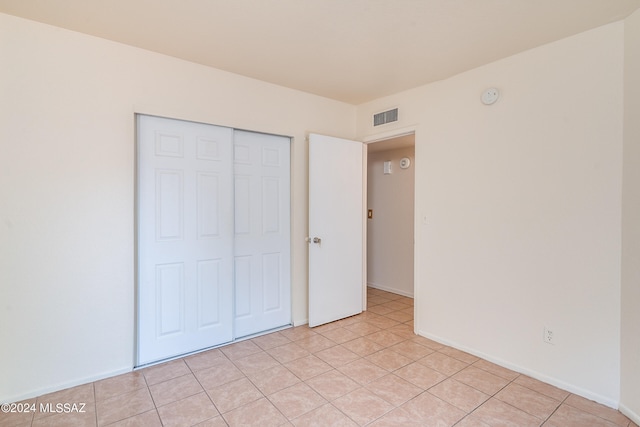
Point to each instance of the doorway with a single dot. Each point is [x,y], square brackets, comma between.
[390,219]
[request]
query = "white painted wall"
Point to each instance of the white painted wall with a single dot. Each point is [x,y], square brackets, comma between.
[523,207]
[67,168]
[390,231]
[630,333]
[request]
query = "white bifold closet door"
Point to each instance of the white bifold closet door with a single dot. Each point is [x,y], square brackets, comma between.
[213,235]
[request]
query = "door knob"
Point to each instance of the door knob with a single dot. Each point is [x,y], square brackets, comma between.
[317,240]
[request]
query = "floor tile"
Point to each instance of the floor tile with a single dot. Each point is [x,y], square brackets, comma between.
[362,406]
[528,400]
[403,330]
[544,388]
[420,375]
[255,363]
[165,371]
[395,418]
[80,394]
[381,309]
[296,400]
[400,316]
[332,384]
[362,328]
[505,373]
[412,350]
[351,320]
[340,335]
[146,419]
[234,394]
[362,346]
[385,338]
[80,398]
[458,354]
[482,380]
[240,349]
[327,327]
[597,409]
[568,416]
[395,305]
[260,413]
[204,360]
[389,359]
[175,389]
[443,363]
[110,387]
[273,379]
[324,416]
[298,333]
[376,300]
[187,412]
[459,395]
[394,389]
[272,340]
[428,343]
[224,372]
[213,422]
[315,343]
[87,418]
[497,413]
[383,322]
[19,418]
[432,411]
[287,352]
[337,356]
[308,367]
[124,406]
[362,371]
[472,421]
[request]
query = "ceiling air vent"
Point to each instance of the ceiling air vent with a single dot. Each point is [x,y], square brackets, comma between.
[385,117]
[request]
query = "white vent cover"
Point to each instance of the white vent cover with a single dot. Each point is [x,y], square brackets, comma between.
[385,117]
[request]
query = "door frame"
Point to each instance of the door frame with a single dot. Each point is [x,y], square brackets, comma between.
[379,137]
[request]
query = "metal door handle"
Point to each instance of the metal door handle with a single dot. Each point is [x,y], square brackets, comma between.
[317,240]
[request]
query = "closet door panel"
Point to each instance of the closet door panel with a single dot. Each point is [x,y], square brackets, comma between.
[185,237]
[262,239]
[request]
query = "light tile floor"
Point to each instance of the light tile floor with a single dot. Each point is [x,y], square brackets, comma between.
[368,369]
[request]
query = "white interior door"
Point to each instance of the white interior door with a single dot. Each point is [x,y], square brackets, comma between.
[185,237]
[262,255]
[336,228]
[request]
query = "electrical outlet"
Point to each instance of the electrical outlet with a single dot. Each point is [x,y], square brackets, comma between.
[548,336]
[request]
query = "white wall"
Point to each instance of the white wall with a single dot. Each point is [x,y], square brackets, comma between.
[523,205]
[630,365]
[390,231]
[67,167]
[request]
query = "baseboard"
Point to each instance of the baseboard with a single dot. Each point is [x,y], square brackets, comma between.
[390,289]
[300,322]
[612,403]
[629,414]
[64,385]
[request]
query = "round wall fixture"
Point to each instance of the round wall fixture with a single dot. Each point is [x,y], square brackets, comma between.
[489,96]
[405,162]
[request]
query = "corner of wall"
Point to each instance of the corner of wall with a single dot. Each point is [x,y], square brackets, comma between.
[630,275]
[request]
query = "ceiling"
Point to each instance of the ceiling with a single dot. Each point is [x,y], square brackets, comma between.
[349,50]
[403,141]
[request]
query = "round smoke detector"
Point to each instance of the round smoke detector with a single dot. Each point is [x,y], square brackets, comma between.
[489,96]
